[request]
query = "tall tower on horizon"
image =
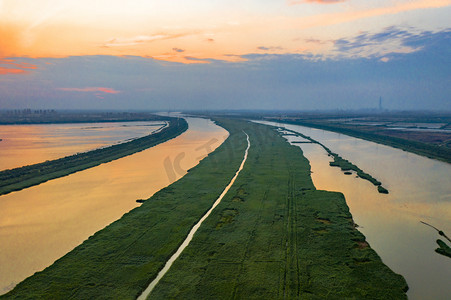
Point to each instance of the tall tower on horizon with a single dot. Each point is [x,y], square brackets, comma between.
[380,103]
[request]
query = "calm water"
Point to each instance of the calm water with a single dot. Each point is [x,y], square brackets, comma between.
[420,190]
[42,223]
[29,144]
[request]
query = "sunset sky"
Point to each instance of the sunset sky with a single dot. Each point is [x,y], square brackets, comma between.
[216,54]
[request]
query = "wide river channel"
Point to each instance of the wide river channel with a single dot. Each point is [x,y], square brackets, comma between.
[42,223]
[23,145]
[420,190]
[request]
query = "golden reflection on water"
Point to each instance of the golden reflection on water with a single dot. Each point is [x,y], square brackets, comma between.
[29,144]
[420,190]
[42,223]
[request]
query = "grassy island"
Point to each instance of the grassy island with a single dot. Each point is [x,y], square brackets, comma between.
[417,147]
[23,177]
[274,236]
[344,164]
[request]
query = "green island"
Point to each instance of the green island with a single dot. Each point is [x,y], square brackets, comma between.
[273,236]
[344,164]
[27,176]
[443,248]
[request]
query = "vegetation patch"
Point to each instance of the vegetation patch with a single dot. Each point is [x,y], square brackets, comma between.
[227,217]
[240,194]
[237,199]
[382,190]
[324,221]
[443,249]
[362,245]
[321,231]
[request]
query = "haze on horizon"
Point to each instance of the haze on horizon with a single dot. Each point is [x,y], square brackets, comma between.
[287,54]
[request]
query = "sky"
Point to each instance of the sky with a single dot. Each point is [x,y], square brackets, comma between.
[217,54]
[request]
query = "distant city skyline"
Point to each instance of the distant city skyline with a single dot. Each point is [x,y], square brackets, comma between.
[178,55]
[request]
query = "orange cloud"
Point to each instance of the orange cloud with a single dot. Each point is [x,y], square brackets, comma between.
[19,65]
[109,28]
[5,71]
[18,68]
[137,40]
[345,17]
[91,89]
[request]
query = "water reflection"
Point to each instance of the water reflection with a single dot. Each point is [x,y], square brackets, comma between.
[42,223]
[420,189]
[29,144]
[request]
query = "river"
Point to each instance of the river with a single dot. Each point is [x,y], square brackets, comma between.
[420,190]
[42,223]
[30,144]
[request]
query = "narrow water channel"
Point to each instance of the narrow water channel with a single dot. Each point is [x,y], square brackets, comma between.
[42,223]
[420,190]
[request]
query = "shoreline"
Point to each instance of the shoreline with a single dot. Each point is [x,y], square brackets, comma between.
[426,150]
[23,177]
[345,165]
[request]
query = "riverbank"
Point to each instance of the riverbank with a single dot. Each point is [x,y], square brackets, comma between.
[27,176]
[273,235]
[428,150]
[345,165]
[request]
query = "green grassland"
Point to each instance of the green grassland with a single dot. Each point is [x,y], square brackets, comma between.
[273,236]
[27,176]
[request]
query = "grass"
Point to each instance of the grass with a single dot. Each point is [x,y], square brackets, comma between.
[273,236]
[27,176]
[282,239]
